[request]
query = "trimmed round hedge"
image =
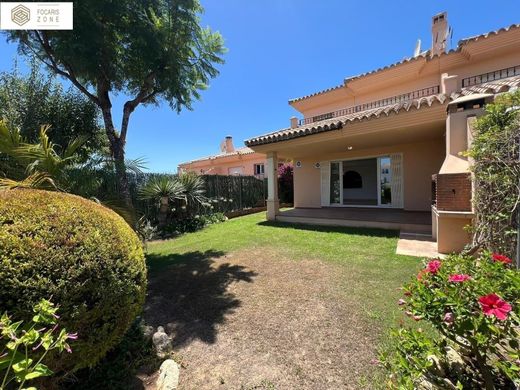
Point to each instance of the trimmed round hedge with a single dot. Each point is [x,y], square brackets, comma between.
[80,255]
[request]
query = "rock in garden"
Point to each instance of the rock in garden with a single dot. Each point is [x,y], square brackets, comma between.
[162,342]
[168,378]
[454,360]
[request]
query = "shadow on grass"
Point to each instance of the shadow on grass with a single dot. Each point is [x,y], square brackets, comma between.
[189,292]
[370,232]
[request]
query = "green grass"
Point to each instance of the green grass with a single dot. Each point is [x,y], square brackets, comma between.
[370,273]
[374,271]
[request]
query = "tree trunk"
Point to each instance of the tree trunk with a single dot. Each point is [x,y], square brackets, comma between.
[118,152]
[117,149]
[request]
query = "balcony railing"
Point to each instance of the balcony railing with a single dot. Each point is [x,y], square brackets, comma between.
[491,76]
[375,104]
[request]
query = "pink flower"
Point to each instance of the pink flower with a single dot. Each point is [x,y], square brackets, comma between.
[401,302]
[498,258]
[493,305]
[449,318]
[433,266]
[458,278]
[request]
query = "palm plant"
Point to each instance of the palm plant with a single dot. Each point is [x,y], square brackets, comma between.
[42,164]
[163,190]
[194,189]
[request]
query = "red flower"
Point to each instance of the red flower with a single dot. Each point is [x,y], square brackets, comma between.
[457,278]
[433,266]
[493,305]
[498,258]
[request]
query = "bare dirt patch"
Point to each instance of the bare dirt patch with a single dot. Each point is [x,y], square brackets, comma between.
[254,320]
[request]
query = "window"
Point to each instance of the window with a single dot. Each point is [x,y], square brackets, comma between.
[259,169]
[352,179]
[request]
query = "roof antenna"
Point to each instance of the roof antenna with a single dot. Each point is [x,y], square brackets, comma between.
[417,50]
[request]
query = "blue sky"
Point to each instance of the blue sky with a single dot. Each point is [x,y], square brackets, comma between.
[281,49]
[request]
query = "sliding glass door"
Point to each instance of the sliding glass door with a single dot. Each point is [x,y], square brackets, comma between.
[366,182]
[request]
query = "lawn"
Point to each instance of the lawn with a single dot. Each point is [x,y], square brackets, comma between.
[258,305]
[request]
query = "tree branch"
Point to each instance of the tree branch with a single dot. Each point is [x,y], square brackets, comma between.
[146,93]
[45,44]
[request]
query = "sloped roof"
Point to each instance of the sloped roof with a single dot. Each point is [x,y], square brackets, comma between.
[493,87]
[424,55]
[339,122]
[488,34]
[239,151]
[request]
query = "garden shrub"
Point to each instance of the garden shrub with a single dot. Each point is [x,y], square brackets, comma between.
[286,183]
[79,253]
[192,224]
[496,171]
[118,368]
[473,306]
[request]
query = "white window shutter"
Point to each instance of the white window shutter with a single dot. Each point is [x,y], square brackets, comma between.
[325,183]
[396,166]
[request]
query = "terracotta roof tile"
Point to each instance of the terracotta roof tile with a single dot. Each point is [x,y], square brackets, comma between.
[239,151]
[339,122]
[424,55]
[488,34]
[494,87]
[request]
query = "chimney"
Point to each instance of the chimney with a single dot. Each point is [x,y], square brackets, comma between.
[294,122]
[228,145]
[440,32]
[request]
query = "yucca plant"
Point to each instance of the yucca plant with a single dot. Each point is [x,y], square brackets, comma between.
[194,189]
[163,190]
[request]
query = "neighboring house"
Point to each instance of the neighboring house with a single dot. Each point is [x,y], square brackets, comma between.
[230,161]
[383,149]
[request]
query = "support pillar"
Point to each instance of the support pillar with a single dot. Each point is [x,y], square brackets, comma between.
[273,203]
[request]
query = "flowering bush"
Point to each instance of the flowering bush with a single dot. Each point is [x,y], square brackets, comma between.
[473,304]
[286,183]
[23,347]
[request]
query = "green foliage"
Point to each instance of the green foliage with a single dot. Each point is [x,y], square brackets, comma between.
[81,254]
[118,368]
[192,224]
[152,51]
[38,160]
[23,347]
[194,189]
[157,46]
[286,183]
[159,187]
[29,101]
[475,344]
[496,169]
